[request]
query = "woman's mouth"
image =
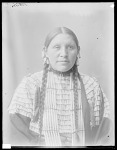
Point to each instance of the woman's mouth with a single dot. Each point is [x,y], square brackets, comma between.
[63,61]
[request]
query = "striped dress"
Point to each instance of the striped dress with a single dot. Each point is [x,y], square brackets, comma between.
[59,118]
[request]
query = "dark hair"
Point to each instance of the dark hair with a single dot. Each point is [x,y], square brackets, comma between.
[49,38]
[60,30]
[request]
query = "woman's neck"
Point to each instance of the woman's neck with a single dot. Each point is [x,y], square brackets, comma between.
[60,72]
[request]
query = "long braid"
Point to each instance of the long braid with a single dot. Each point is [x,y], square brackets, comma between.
[42,97]
[75,86]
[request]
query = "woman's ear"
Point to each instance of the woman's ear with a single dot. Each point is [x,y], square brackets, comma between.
[79,52]
[44,51]
[78,48]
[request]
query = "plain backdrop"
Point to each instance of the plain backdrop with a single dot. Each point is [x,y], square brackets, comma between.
[24,29]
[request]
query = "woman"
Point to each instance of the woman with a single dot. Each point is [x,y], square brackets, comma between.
[60,106]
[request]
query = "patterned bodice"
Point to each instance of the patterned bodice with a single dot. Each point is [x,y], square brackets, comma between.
[59,118]
[59,106]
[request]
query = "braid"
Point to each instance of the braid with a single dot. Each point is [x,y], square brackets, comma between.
[75,86]
[42,97]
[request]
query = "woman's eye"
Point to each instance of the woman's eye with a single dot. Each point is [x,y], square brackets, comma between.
[71,47]
[57,47]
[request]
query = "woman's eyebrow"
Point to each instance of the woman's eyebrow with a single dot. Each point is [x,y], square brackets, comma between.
[56,44]
[71,43]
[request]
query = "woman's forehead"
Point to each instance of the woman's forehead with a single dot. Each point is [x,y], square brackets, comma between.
[62,38]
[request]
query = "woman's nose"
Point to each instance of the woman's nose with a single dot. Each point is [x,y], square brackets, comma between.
[63,52]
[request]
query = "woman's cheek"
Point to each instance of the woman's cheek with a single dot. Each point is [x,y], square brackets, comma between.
[53,58]
[73,56]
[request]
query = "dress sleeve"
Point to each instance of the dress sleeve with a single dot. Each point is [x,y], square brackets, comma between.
[21,109]
[104,133]
[100,122]
[23,100]
[101,103]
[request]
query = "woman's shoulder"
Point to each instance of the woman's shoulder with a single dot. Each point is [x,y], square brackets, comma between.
[36,75]
[31,80]
[91,85]
[88,79]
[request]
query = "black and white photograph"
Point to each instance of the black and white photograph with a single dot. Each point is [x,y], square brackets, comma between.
[58,74]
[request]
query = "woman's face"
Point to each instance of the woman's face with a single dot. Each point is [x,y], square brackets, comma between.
[62,52]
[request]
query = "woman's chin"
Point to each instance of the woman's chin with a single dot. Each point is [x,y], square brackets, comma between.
[63,69]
